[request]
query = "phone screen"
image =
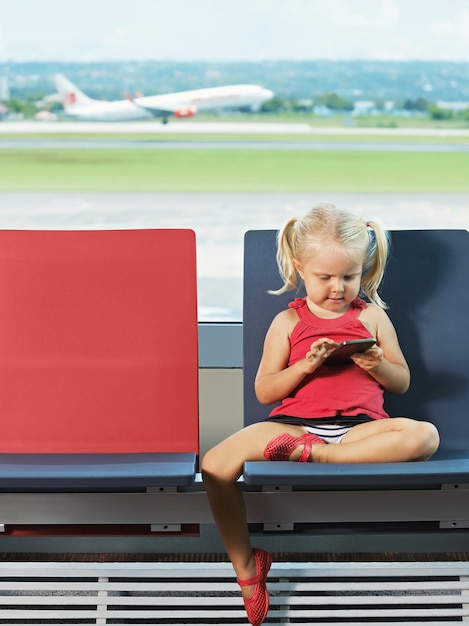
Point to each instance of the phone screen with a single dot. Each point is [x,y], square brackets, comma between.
[341,355]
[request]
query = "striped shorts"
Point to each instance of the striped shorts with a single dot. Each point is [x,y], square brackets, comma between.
[326,428]
[329,433]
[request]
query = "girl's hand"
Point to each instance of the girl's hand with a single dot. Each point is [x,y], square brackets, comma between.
[370,359]
[318,352]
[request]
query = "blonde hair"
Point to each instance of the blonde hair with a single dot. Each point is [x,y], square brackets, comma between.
[326,224]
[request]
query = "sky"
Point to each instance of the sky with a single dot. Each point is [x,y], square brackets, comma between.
[233,30]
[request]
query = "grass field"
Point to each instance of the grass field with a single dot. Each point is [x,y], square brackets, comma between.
[340,121]
[232,170]
[161,135]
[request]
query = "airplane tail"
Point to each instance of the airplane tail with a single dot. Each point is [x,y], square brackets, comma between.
[70,95]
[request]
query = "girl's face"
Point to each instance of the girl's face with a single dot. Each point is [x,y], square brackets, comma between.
[332,280]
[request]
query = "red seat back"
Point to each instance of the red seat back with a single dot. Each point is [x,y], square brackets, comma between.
[98,341]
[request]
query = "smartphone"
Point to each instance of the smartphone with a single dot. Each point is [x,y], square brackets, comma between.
[341,355]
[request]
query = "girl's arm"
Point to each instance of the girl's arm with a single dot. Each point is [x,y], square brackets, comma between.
[384,362]
[274,380]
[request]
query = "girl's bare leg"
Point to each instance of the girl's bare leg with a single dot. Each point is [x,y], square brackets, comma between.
[382,441]
[221,468]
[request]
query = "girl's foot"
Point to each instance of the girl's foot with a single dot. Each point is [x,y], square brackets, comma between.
[257,605]
[280,448]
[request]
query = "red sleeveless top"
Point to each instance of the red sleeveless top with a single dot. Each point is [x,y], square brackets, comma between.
[331,390]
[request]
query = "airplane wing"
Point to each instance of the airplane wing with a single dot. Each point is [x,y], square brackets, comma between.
[188,111]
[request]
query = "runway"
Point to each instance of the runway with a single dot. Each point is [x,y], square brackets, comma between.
[183,135]
[353,146]
[220,221]
[177,127]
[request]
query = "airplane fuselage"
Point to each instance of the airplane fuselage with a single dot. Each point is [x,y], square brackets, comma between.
[233,96]
[79,106]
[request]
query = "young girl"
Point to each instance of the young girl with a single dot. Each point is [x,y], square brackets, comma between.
[327,413]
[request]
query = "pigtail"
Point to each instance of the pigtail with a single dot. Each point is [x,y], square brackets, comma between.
[375,263]
[286,244]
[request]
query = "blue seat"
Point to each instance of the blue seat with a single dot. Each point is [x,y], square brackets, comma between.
[426,287]
[95,471]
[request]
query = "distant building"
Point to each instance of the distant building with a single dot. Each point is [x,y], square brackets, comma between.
[4,89]
[364,107]
[456,107]
[322,111]
[4,111]
[370,107]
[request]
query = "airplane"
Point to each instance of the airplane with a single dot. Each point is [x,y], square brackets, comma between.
[79,106]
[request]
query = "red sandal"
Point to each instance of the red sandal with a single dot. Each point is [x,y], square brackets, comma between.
[281,447]
[257,605]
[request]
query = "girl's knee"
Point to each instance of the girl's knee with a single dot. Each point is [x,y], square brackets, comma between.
[425,439]
[216,464]
[211,462]
[431,438]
